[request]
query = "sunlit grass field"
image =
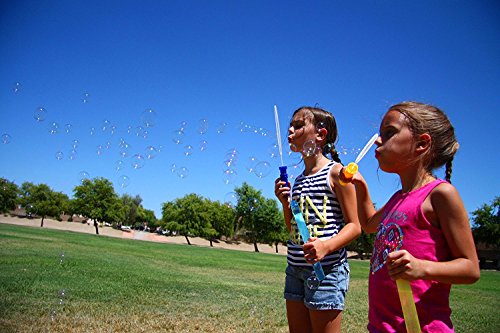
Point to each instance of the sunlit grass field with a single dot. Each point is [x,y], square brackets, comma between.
[61,281]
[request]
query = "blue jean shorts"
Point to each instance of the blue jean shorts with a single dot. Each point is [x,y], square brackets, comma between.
[330,294]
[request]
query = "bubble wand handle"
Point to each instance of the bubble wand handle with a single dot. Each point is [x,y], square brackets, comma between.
[305,235]
[352,167]
[408,306]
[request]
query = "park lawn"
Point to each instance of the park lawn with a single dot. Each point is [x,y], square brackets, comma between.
[61,281]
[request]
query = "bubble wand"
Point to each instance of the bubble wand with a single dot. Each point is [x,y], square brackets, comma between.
[297,213]
[404,288]
[352,167]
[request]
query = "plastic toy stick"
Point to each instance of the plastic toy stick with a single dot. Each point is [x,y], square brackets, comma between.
[278,133]
[408,306]
[304,234]
[352,167]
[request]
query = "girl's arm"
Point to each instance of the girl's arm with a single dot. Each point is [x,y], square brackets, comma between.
[282,192]
[448,211]
[369,218]
[316,249]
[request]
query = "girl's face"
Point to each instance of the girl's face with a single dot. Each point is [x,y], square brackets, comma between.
[301,130]
[396,144]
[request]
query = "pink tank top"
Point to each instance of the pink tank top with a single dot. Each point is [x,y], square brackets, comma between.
[404,226]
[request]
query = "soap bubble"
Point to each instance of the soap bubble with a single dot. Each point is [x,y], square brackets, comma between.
[17,87]
[263,131]
[59,155]
[151,152]
[118,165]
[99,150]
[40,114]
[72,154]
[221,128]
[6,138]
[82,175]
[188,150]
[141,132]
[183,125]
[85,97]
[230,199]
[262,169]
[309,148]
[53,128]
[62,257]
[106,124]
[274,150]
[203,145]
[313,282]
[137,161]
[177,137]
[148,118]
[229,176]
[112,129]
[252,161]
[203,128]
[173,168]
[92,130]
[253,203]
[124,148]
[123,181]
[182,172]
[75,144]
[67,128]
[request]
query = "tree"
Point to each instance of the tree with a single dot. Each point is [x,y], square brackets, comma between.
[131,205]
[221,220]
[486,223]
[258,218]
[9,193]
[41,200]
[96,200]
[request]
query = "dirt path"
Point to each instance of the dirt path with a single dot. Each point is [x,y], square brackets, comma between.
[137,235]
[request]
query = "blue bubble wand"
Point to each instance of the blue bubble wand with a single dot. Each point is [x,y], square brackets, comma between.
[297,213]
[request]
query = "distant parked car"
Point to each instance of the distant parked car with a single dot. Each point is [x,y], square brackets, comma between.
[126,228]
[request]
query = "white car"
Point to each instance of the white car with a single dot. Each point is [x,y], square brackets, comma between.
[126,228]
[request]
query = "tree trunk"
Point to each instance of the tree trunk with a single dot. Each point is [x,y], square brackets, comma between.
[211,243]
[276,247]
[96,225]
[187,240]
[41,224]
[255,247]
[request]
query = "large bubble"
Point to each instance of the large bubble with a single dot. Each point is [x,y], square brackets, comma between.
[262,169]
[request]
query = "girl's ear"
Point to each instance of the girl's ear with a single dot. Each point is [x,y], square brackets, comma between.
[423,143]
[322,133]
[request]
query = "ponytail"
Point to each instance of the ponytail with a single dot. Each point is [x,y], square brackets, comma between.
[330,148]
[448,170]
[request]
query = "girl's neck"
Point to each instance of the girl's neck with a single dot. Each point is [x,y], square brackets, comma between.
[314,163]
[415,181]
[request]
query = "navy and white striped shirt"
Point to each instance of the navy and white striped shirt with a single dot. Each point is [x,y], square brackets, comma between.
[322,213]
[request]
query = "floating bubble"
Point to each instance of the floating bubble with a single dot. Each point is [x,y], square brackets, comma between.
[53,128]
[182,126]
[173,168]
[262,169]
[123,181]
[68,128]
[107,145]
[188,150]
[92,130]
[177,137]
[148,118]
[274,150]
[85,97]
[182,172]
[230,199]
[229,175]
[253,203]
[59,155]
[137,161]
[17,87]
[221,128]
[62,257]
[129,129]
[112,129]
[99,150]
[313,282]
[245,128]
[151,152]
[72,154]
[40,114]
[118,165]
[124,148]
[309,148]
[229,163]
[203,126]
[203,145]
[82,175]
[252,162]
[6,138]
[263,131]
[106,124]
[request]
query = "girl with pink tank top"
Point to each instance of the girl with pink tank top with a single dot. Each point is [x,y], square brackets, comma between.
[422,233]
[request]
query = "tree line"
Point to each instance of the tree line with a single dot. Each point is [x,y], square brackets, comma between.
[253,218]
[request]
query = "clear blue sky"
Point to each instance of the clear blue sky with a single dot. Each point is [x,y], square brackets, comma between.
[230,62]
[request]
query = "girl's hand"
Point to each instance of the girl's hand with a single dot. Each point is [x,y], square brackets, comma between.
[282,192]
[356,178]
[402,265]
[314,250]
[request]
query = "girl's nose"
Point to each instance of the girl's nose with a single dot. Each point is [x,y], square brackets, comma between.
[378,142]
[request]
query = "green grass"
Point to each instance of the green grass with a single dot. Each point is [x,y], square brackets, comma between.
[117,285]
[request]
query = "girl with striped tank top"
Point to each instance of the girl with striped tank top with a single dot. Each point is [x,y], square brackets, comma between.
[422,233]
[331,216]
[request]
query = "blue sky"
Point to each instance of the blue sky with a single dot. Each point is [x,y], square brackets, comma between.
[215,69]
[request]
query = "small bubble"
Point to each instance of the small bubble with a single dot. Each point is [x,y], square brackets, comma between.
[53,128]
[151,152]
[72,154]
[106,124]
[67,128]
[118,165]
[262,169]
[309,148]
[123,181]
[173,168]
[137,161]
[17,87]
[230,199]
[182,172]
[229,176]
[59,155]
[203,127]
[85,97]
[6,138]
[99,150]
[222,128]
[82,175]
[188,150]
[148,118]
[274,150]
[203,145]
[177,137]
[92,130]
[40,114]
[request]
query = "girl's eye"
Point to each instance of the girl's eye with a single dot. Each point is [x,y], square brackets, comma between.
[386,135]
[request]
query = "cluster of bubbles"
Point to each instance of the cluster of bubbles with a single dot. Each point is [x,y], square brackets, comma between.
[246,128]
[62,294]
[182,171]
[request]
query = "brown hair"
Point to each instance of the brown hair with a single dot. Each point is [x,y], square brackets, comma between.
[424,118]
[324,119]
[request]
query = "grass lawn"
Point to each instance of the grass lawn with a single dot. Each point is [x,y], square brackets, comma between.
[60,281]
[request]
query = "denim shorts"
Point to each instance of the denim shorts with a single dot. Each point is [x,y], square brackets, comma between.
[330,294]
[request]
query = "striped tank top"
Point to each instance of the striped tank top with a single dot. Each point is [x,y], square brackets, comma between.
[322,213]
